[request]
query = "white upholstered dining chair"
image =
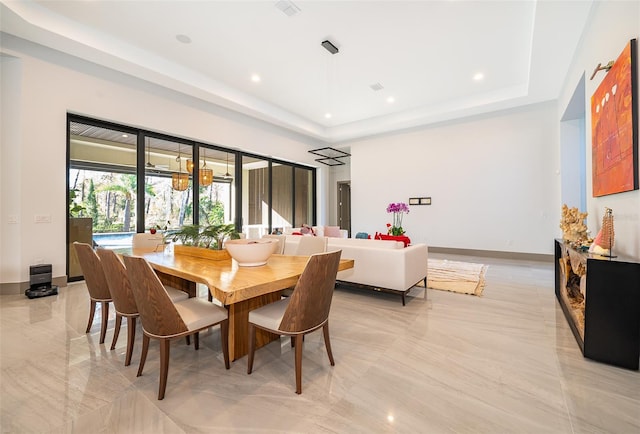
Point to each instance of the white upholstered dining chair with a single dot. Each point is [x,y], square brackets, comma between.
[310,245]
[149,242]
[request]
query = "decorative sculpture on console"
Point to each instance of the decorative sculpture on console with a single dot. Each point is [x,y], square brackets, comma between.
[603,243]
[574,230]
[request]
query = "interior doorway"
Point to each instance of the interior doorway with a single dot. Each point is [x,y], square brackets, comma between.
[344,205]
[573,151]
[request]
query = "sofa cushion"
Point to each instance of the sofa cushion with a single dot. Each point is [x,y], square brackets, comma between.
[332,231]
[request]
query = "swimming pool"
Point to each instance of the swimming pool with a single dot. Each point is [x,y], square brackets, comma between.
[113,240]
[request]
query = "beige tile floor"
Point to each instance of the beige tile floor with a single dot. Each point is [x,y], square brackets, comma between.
[502,363]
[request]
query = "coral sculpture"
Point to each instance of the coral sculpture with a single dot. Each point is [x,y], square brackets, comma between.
[603,242]
[574,230]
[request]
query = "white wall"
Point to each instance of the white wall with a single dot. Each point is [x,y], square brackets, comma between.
[492,180]
[611,26]
[39,87]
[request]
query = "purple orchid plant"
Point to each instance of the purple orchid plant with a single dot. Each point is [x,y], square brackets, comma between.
[398,210]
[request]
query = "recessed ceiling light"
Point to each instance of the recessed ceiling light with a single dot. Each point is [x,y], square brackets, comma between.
[479,76]
[327,115]
[184,39]
[391,100]
[255,78]
[125,136]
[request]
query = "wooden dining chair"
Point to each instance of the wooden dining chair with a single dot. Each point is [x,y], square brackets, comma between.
[123,299]
[164,320]
[96,284]
[305,311]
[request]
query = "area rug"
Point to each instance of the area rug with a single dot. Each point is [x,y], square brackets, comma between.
[455,276]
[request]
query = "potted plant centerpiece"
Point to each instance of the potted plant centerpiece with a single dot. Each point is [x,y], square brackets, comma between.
[203,241]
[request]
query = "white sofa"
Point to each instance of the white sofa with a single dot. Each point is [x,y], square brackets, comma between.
[380,265]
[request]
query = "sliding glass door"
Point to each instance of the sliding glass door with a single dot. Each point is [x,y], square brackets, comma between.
[123,180]
[216,187]
[304,197]
[256,196]
[101,193]
[168,184]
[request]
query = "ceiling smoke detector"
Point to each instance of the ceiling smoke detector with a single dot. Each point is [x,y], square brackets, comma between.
[330,47]
[287,7]
[376,86]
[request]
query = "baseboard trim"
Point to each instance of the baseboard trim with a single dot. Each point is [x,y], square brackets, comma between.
[20,287]
[495,254]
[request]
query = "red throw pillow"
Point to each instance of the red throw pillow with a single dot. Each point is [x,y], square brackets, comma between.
[402,238]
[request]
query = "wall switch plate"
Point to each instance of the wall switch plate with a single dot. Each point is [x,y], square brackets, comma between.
[42,218]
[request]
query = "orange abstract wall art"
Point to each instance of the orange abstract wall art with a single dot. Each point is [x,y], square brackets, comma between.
[614,128]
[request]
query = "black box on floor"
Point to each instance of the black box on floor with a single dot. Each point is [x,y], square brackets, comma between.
[40,281]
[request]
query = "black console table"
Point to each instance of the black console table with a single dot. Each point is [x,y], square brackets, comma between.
[600,298]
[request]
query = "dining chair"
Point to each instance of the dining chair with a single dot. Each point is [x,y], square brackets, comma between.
[147,241]
[96,284]
[310,245]
[281,242]
[305,311]
[164,320]
[123,299]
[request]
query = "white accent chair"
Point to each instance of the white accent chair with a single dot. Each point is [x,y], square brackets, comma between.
[281,240]
[148,242]
[310,245]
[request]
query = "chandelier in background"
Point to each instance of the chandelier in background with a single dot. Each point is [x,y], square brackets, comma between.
[205,175]
[180,180]
[227,175]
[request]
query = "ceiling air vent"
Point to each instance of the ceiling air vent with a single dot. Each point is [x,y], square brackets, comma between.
[376,86]
[287,7]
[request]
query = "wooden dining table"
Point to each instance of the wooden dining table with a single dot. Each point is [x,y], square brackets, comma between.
[239,289]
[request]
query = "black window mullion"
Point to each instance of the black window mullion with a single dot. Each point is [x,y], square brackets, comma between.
[140,181]
[237,179]
[196,183]
[270,195]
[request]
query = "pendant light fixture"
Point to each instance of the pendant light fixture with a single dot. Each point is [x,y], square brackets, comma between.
[190,166]
[149,165]
[180,180]
[227,175]
[205,175]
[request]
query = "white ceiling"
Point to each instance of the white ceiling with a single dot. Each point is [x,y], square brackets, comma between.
[424,53]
